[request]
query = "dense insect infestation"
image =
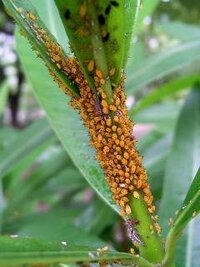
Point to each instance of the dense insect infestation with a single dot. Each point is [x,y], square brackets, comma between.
[84,45]
[110,129]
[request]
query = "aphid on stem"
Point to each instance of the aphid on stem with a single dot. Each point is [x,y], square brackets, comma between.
[132,234]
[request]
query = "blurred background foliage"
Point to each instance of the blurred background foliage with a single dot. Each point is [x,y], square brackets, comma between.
[43,192]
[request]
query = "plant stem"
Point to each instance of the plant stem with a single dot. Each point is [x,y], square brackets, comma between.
[170,245]
[98,50]
[152,250]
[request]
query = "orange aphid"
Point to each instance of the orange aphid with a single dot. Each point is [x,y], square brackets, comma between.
[90,66]
[157,228]
[116,119]
[124,161]
[105,110]
[82,11]
[112,71]
[104,103]
[136,194]
[114,128]
[121,143]
[126,155]
[109,122]
[99,74]
[113,108]
[29,15]
[128,209]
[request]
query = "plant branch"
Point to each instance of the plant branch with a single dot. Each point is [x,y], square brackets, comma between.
[98,50]
[152,248]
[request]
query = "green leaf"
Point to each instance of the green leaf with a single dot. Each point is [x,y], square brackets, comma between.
[146,9]
[189,210]
[34,29]
[180,30]
[65,225]
[164,91]
[26,187]
[26,142]
[162,64]
[162,116]
[190,207]
[183,161]
[51,18]
[65,180]
[17,251]
[96,217]
[64,121]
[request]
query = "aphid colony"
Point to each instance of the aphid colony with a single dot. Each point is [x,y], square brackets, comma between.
[54,51]
[110,132]
[109,127]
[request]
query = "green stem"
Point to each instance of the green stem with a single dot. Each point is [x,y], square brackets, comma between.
[152,250]
[170,246]
[98,50]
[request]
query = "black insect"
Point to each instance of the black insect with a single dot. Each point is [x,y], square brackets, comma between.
[67,14]
[114,3]
[101,19]
[107,10]
[106,37]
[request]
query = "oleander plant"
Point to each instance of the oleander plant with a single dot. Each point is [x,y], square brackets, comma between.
[77,189]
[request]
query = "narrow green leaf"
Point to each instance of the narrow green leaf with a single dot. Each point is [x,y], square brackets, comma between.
[65,180]
[180,30]
[39,177]
[189,210]
[65,225]
[52,21]
[164,91]
[183,159]
[132,12]
[182,162]
[146,10]
[190,207]
[162,64]
[17,251]
[193,190]
[96,217]
[162,116]
[34,29]
[23,144]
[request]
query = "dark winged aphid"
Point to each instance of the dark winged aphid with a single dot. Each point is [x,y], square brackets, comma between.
[107,10]
[67,14]
[106,37]
[119,113]
[101,19]
[132,234]
[114,3]
[98,108]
